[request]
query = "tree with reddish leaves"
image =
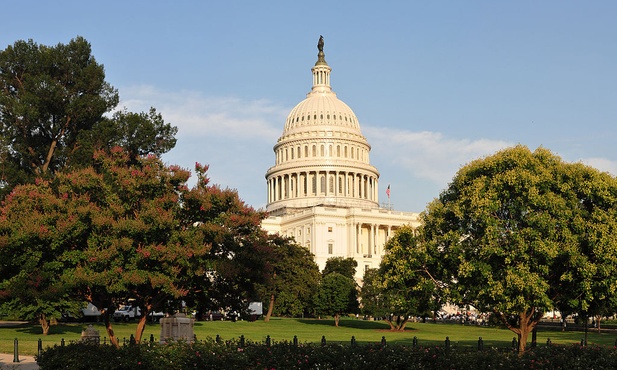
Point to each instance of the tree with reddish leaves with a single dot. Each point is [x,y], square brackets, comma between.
[122,230]
[240,257]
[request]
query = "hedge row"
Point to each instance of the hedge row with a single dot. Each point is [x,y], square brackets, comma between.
[230,355]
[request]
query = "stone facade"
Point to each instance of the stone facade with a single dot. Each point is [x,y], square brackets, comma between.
[177,328]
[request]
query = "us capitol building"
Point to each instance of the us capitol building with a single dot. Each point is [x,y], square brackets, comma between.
[322,189]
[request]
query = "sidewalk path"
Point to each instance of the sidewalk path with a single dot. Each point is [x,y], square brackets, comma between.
[25,362]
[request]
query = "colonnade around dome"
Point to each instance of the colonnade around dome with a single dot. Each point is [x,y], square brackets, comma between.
[323,187]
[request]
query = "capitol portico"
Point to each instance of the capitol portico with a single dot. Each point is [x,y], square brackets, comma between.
[322,190]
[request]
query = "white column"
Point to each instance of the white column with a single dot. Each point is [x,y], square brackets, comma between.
[356,238]
[371,240]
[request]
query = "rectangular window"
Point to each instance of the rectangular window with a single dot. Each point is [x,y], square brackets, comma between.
[329,229]
[330,247]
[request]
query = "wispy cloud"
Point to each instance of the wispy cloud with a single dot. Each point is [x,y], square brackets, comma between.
[235,137]
[196,114]
[429,155]
[602,164]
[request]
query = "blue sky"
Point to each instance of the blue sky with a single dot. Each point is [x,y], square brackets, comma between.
[435,84]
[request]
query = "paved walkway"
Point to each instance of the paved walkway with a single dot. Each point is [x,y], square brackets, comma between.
[25,362]
[6,360]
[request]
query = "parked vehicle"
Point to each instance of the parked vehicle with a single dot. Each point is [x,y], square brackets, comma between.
[215,316]
[127,313]
[89,313]
[155,316]
[255,310]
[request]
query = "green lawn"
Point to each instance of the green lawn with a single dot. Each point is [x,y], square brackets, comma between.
[306,330]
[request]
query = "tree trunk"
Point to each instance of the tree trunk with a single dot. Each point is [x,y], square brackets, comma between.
[110,330]
[403,324]
[44,324]
[270,309]
[527,321]
[336,319]
[141,325]
[400,323]
[54,143]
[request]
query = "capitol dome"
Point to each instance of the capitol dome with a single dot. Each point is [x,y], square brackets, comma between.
[322,158]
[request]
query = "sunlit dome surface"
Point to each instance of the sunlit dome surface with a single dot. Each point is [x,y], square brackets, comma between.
[322,158]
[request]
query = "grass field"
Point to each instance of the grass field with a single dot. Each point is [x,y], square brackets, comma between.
[306,330]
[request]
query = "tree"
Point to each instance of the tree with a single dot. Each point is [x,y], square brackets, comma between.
[589,285]
[344,266]
[373,299]
[102,234]
[240,255]
[336,295]
[506,234]
[121,230]
[53,102]
[407,287]
[294,280]
[47,96]
[140,134]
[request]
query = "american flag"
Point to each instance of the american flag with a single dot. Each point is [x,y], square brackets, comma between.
[388,191]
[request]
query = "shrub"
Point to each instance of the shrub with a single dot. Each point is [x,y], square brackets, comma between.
[231,355]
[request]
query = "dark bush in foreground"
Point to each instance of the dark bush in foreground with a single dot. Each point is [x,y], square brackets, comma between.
[229,355]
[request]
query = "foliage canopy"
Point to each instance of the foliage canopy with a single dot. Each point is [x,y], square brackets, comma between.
[520,232]
[53,101]
[121,230]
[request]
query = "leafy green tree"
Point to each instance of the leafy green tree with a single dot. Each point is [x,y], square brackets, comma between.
[294,280]
[53,102]
[47,96]
[405,286]
[589,285]
[140,134]
[509,230]
[373,299]
[344,266]
[336,295]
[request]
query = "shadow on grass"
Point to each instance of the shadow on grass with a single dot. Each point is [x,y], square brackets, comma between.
[54,329]
[348,323]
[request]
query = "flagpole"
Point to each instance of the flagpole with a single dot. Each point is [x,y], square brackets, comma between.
[388,194]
